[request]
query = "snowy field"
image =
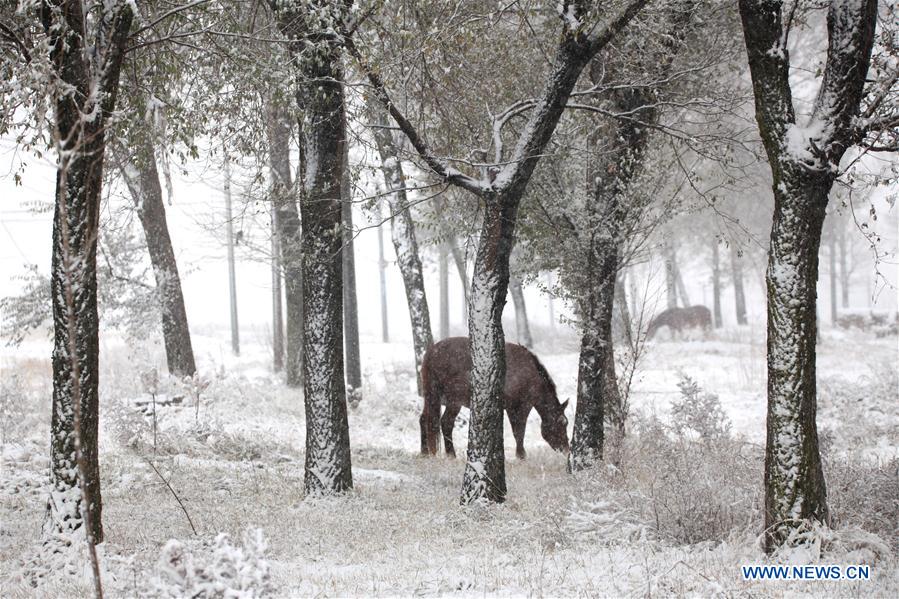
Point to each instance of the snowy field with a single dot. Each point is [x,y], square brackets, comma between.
[678,517]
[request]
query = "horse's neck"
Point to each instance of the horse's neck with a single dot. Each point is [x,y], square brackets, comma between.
[543,404]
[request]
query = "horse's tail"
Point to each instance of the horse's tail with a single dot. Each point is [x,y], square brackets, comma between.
[430,414]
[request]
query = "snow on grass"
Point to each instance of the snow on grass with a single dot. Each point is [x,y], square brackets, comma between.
[676,518]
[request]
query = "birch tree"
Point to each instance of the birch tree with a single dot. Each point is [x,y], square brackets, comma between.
[804,154]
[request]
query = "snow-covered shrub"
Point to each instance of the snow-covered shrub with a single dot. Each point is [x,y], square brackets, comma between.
[855,411]
[865,496]
[698,411]
[226,570]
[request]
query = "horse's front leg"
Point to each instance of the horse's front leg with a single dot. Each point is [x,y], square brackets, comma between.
[447,423]
[518,425]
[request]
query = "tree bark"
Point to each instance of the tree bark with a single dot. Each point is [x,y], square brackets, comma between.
[287,219]
[350,299]
[716,284]
[736,269]
[137,164]
[681,288]
[320,99]
[803,163]
[522,328]
[75,499]
[404,241]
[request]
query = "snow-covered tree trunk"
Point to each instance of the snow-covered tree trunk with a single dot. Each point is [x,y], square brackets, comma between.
[405,243]
[320,99]
[804,160]
[736,270]
[596,360]
[84,87]
[485,469]
[287,219]
[137,164]
[350,299]
[522,327]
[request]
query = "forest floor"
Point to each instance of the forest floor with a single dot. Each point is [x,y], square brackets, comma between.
[678,516]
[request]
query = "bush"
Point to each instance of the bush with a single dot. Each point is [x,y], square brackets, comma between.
[699,412]
[229,571]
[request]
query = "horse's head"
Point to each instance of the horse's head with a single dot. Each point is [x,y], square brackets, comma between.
[554,427]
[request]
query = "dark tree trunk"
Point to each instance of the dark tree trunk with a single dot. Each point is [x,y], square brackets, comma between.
[74,459]
[404,241]
[287,219]
[716,284]
[350,300]
[320,99]
[444,291]
[522,328]
[803,172]
[138,167]
[596,362]
[736,268]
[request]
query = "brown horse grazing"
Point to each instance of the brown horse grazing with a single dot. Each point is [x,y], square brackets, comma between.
[445,373]
[677,319]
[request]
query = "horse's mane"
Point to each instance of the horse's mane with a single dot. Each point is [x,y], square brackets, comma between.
[544,375]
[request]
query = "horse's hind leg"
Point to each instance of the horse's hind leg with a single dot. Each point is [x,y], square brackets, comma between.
[447,422]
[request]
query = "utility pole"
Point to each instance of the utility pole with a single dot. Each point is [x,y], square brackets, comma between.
[232,279]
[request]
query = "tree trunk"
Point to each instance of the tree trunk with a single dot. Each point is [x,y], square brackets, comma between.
[485,468]
[803,170]
[670,275]
[832,251]
[716,284]
[232,275]
[318,75]
[277,307]
[287,218]
[550,301]
[596,362]
[844,271]
[444,291]
[75,499]
[736,265]
[624,313]
[794,481]
[382,278]
[404,241]
[142,179]
[522,328]
[350,300]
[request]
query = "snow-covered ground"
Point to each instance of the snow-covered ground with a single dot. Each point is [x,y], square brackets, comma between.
[678,517]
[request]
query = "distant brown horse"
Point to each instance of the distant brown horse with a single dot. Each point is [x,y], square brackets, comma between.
[677,319]
[445,373]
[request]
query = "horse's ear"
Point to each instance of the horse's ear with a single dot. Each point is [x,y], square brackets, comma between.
[564,405]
